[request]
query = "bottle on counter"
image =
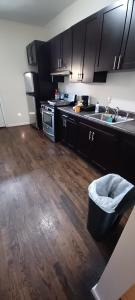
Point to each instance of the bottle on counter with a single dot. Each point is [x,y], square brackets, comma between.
[57,94]
[97,107]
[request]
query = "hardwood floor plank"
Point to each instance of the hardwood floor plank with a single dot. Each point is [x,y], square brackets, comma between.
[46,252]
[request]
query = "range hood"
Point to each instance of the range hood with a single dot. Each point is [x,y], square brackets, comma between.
[61,72]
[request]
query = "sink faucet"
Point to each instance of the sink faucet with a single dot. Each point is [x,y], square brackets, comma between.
[107,110]
[117,111]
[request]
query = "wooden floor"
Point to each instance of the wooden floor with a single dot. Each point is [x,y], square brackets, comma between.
[46,252]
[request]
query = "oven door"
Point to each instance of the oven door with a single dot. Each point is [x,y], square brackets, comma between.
[48,123]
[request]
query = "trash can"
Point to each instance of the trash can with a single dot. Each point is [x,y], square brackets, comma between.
[109,197]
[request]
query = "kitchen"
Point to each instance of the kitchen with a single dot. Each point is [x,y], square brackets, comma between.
[90,62]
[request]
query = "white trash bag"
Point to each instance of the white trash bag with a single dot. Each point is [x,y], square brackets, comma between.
[108,191]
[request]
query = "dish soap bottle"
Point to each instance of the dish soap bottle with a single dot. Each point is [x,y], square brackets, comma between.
[57,94]
[97,107]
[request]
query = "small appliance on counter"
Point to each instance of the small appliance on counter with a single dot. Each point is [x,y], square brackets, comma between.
[83,104]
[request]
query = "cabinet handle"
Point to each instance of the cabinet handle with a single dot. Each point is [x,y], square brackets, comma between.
[65,123]
[93,135]
[90,135]
[72,120]
[79,77]
[119,62]
[58,63]
[114,64]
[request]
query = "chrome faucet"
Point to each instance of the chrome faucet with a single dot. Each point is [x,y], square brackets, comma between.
[107,110]
[117,111]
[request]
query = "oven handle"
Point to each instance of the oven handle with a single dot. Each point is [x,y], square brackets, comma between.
[48,113]
[49,134]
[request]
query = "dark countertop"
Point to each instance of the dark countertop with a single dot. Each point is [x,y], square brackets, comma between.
[69,109]
[127,127]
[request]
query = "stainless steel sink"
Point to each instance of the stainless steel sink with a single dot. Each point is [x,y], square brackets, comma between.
[107,118]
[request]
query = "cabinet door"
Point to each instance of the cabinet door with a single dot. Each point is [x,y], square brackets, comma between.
[127,159]
[78,32]
[128,54]
[55,44]
[63,129]
[112,30]
[66,54]
[31,54]
[71,133]
[84,144]
[105,147]
[68,131]
[90,48]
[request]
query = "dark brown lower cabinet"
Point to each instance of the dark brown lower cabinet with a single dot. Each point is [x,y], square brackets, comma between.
[127,158]
[107,148]
[105,145]
[84,146]
[68,131]
[98,146]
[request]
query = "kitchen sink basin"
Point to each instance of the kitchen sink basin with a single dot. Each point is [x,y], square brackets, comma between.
[108,118]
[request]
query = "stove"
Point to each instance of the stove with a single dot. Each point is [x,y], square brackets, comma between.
[49,116]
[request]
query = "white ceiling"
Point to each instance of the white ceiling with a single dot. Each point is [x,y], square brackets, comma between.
[35,12]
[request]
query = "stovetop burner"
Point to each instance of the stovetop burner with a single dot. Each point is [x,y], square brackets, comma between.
[58,102]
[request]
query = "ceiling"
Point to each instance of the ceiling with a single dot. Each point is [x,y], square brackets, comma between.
[34,12]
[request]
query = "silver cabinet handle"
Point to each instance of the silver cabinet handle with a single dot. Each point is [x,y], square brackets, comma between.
[79,77]
[58,63]
[114,64]
[70,119]
[65,123]
[90,135]
[93,136]
[119,62]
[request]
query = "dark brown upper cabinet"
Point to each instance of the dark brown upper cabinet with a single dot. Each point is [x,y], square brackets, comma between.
[112,26]
[55,45]
[61,51]
[91,42]
[128,47]
[78,35]
[66,49]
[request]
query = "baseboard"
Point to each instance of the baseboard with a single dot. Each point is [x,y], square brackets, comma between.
[17,124]
[94,293]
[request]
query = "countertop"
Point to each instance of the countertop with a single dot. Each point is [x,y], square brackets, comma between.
[127,127]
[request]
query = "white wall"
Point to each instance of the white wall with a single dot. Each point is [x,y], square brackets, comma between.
[119,275]
[120,85]
[13,63]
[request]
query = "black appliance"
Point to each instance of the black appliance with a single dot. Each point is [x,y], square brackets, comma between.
[38,82]
[33,97]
